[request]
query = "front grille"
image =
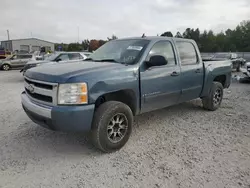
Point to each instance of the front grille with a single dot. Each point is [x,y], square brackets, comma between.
[39,97]
[42,92]
[40,85]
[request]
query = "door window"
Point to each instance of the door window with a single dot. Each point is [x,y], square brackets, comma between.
[165,49]
[187,53]
[63,57]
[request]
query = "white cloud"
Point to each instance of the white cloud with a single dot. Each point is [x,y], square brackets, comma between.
[58,20]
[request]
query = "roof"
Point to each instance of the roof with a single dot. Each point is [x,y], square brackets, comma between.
[27,39]
[156,38]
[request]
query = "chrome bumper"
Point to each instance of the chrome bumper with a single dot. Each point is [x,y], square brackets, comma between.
[37,109]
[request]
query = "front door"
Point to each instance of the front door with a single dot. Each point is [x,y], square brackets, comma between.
[191,71]
[15,61]
[160,85]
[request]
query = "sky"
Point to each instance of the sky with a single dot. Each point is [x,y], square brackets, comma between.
[62,20]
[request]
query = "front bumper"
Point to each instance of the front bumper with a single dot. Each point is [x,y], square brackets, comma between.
[59,118]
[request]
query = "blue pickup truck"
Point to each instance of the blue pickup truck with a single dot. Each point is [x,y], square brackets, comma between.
[121,79]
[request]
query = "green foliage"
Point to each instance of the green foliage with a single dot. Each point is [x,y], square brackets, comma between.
[236,40]
[167,34]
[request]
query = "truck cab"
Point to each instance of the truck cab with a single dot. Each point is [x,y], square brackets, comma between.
[121,79]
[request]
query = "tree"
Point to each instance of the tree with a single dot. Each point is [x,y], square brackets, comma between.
[74,47]
[167,34]
[178,35]
[93,45]
[113,37]
[85,44]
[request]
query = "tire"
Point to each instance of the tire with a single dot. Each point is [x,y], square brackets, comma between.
[6,67]
[106,126]
[213,101]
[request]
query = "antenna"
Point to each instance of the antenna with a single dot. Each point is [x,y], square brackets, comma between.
[143,35]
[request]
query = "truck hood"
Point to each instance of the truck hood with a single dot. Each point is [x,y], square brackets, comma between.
[74,72]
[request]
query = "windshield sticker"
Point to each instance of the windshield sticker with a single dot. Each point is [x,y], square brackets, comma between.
[139,48]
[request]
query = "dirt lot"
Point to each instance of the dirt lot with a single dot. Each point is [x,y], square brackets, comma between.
[181,146]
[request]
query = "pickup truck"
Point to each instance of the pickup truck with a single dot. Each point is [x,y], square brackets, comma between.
[121,79]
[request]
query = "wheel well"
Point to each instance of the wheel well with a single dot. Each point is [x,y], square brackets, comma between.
[221,79]
[125,96]
[5,64]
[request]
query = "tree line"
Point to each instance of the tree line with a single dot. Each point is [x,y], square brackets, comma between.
[236,40]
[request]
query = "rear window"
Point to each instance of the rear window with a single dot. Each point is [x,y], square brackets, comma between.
[24,56]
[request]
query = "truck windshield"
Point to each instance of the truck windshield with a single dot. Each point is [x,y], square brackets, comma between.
[120,51]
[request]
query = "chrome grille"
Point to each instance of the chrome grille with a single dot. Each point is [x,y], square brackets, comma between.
[41,92]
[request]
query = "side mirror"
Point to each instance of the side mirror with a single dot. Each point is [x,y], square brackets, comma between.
[57,60]
[157,60]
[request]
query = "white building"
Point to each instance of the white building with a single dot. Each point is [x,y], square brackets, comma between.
[27,45]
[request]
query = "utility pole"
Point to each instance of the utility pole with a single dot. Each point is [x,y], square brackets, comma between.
[77,34]
[8,34]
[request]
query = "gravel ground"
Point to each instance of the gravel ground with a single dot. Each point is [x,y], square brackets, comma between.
[181,146]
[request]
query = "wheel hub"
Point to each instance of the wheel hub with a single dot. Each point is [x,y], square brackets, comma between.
[217,96]
[117,128]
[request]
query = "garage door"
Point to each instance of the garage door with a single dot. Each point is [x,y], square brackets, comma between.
[25,48]
[35,48]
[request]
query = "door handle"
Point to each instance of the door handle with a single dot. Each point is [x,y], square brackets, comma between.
[175,73]
[198,71]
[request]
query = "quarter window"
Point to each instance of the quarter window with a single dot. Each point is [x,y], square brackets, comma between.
[187,53]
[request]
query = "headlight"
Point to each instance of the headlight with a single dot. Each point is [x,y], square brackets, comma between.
[76,93]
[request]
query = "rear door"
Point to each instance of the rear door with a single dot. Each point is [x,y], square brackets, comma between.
[160,85]
[191,70]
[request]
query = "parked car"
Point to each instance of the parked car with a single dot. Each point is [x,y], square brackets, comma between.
[15,61]
[246,70]
[123,78]
[237,62]
[55,58]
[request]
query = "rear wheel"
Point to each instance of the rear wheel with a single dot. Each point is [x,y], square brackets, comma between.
[112,126]
[6,67]
[213,101]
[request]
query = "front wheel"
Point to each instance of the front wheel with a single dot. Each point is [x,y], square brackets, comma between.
[112,126]
[213,101]
[6,67]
